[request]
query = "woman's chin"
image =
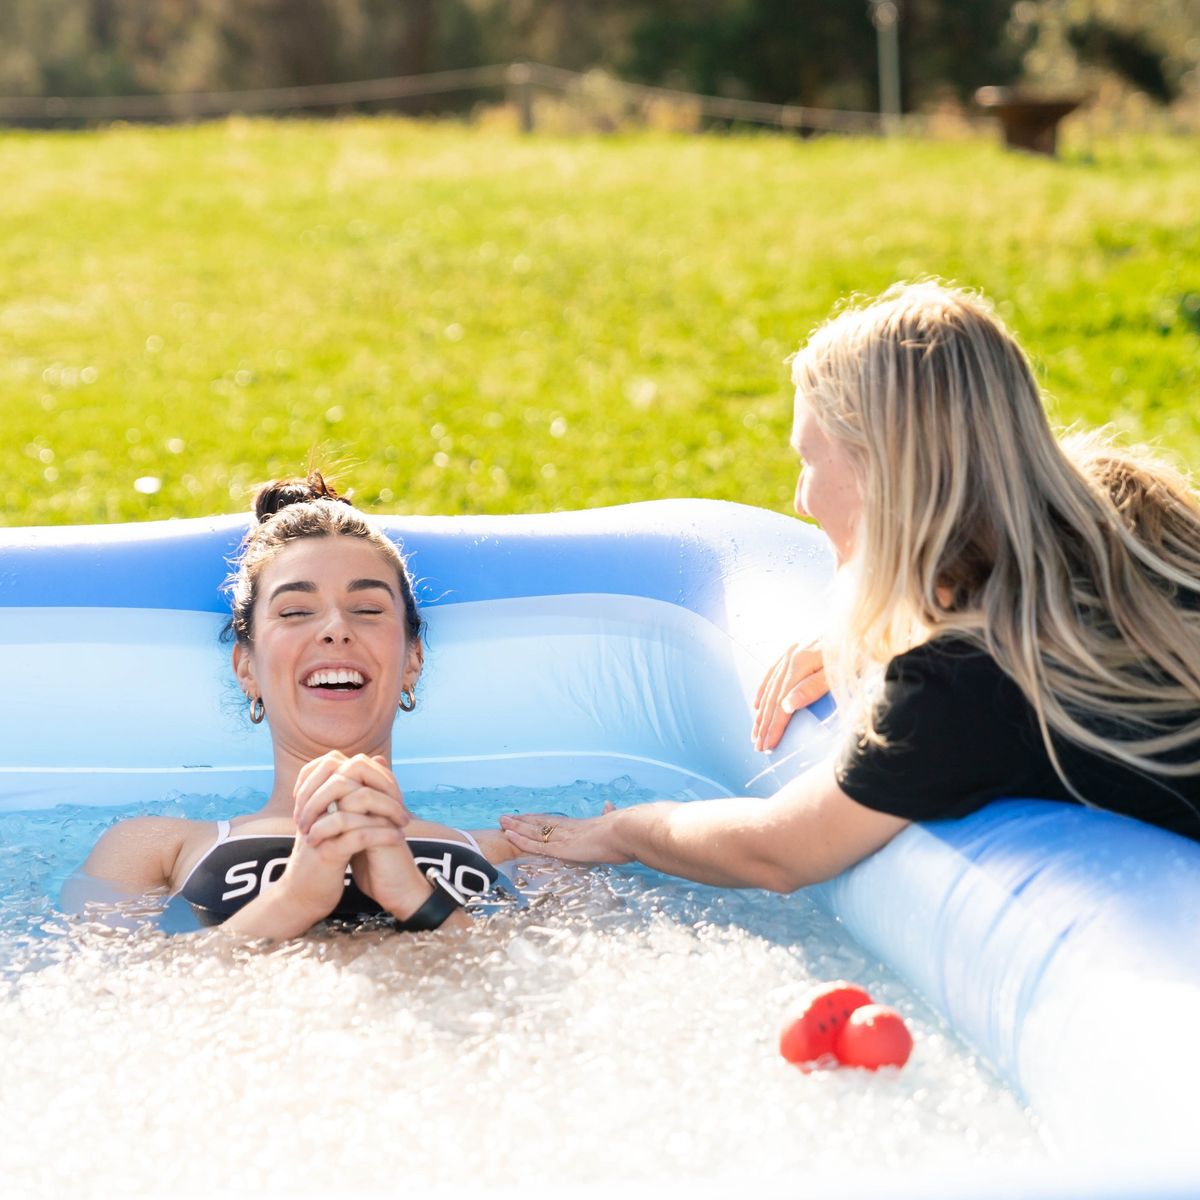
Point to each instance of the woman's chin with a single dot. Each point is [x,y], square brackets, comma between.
[345,731]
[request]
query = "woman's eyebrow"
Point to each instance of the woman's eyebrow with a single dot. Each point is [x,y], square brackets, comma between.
[363,585]
[355,585]
[296,585]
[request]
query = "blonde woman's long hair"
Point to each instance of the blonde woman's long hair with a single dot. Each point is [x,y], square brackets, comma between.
[1067,563]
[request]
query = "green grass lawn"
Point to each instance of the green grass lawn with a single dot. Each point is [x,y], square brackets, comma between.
[471,321]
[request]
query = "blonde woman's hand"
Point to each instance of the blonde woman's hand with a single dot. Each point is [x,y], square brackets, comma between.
[794,681]
[586,840]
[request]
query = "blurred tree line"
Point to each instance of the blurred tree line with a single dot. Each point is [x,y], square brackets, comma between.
[814,52]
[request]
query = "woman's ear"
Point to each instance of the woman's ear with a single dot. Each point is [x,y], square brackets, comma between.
[413,662]
[243,668]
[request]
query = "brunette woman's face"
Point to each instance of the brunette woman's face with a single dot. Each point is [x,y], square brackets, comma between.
[331,652]
[828,489]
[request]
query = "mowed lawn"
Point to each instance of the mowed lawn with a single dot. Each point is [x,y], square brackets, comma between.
[472,321]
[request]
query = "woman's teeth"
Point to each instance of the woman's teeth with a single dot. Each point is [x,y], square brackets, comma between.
[343,677]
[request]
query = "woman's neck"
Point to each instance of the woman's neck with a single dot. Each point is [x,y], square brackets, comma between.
[289,763]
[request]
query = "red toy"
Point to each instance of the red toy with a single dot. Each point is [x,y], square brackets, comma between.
[874,1036]
[810,1032]
[839,1022]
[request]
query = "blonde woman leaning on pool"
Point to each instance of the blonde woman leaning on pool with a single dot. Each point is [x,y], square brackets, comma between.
[327,648]
[1005,629]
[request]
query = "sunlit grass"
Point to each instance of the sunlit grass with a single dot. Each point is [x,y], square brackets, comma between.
[477,322]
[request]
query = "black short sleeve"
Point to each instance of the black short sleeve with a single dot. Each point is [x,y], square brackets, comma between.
[958,733]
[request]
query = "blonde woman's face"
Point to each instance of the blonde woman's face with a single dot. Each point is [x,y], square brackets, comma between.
[828,489]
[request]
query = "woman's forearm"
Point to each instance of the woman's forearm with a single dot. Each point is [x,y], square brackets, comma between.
[810,830]
[272,914]
[720,842]
[404,904]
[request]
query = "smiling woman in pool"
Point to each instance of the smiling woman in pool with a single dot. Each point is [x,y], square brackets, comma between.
[326,648]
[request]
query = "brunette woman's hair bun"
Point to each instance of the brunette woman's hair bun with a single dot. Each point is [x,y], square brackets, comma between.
[272,497]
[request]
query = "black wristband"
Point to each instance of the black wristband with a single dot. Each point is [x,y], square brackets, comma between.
[442,904]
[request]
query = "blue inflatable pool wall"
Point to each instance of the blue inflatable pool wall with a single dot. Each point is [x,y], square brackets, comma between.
[1063,943]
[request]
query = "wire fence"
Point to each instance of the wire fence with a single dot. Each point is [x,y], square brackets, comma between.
[521,82]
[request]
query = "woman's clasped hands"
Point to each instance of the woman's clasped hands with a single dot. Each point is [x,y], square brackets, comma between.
[349,811]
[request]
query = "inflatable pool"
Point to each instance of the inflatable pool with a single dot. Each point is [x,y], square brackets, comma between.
[1063,944]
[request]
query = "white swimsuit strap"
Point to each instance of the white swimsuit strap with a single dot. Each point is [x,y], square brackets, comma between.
[222,835]
[469,838]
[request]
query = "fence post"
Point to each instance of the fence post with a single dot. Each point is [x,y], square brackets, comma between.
[886,18]
[520,93]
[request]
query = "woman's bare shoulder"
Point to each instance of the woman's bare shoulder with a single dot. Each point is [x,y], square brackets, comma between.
[141,852]
[495,846]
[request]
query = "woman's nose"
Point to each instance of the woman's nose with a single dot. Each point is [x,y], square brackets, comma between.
[335,630]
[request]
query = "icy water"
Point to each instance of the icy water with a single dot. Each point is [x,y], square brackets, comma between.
[618,1026]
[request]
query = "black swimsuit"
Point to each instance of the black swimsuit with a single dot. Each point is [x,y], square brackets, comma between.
[235,869]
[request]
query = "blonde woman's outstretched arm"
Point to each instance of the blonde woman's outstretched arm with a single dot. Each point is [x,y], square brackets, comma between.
[807,832]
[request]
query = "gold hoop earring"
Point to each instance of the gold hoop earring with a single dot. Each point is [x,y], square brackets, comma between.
[408,700]
[258,710]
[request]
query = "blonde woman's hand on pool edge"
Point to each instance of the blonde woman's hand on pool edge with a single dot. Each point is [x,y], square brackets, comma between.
[794,681]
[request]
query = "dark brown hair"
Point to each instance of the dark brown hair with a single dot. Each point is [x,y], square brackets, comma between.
[286,511]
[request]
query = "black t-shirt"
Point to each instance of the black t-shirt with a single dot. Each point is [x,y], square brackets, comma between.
[960,733]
